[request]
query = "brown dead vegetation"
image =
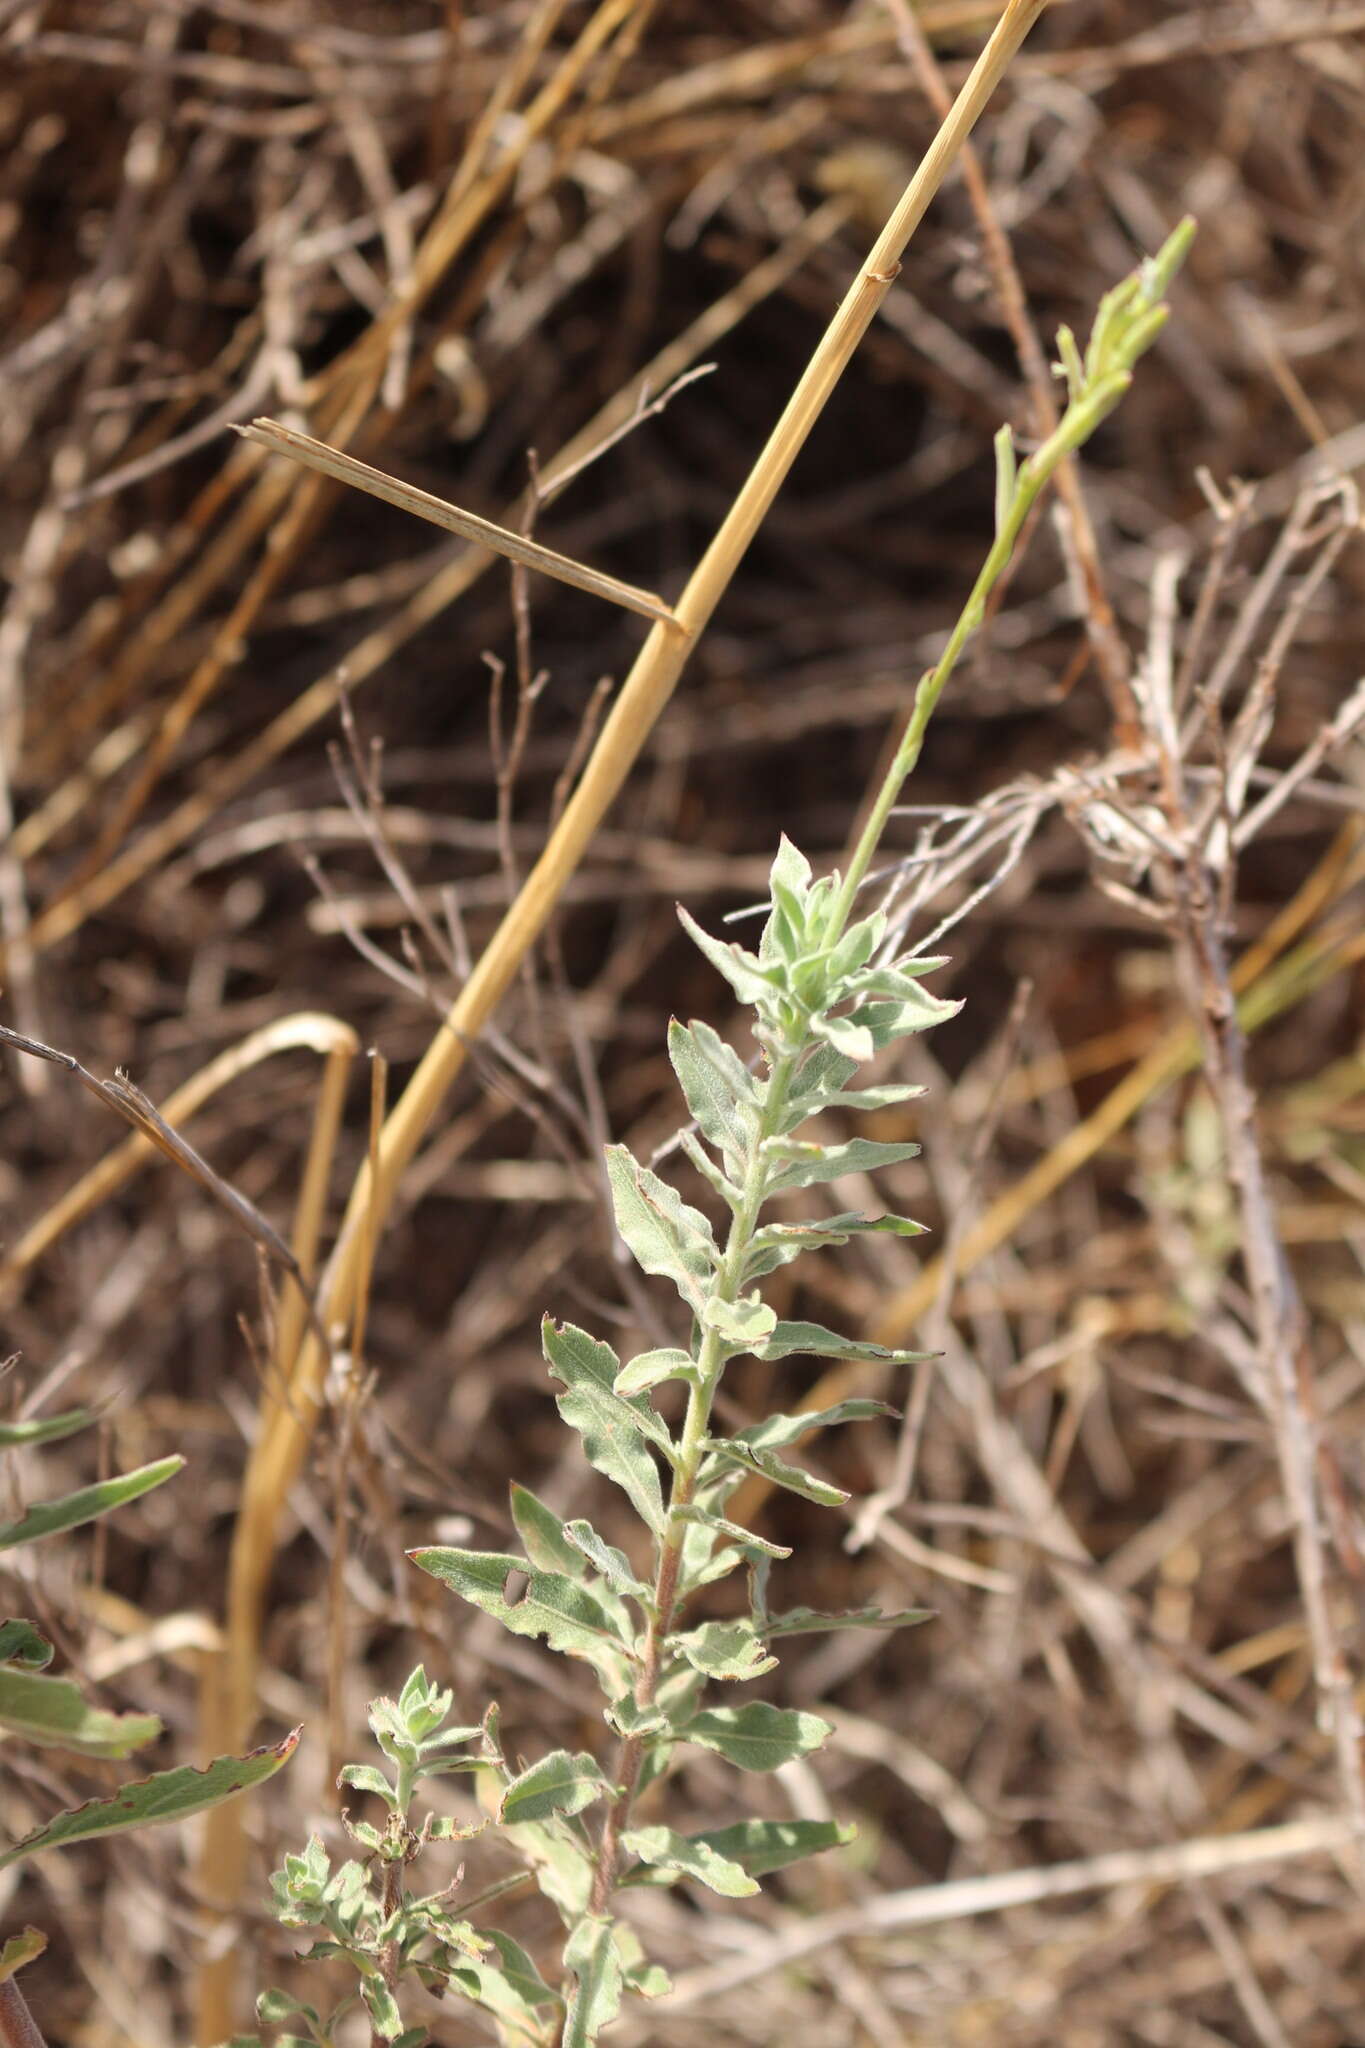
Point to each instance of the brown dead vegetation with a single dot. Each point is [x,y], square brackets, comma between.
[275,758]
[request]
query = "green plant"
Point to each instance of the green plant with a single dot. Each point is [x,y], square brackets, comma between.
[827,996]
[53,1712]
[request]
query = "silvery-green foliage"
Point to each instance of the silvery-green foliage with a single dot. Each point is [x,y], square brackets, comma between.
[52,1712]
[826,998]
[823,1002]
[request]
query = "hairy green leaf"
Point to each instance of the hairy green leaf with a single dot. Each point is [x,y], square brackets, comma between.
[734,1532]
[611,1428]
[777,1244]
[50,1518]
[559,1783]
[521,1973]
[789,1339]
[275,2006]
[694,1857]
[776,1430]
[854,1041]
[652,1368]
[664,1234]
[725,1649]
[23,1643]
[382,2007]
[756,1736]
[563,1870]
[888,1021]
[627,1717]
[512,1990]
[718,1087]
[803,1621]
[49,1429]
[569,1616]
[772,1468]
[613,1564]
[745,1324]
[744,972]
[19,1949]
[170,1795]
[797,1165]
[760,1846]
[55,1713]
[365,1778]
[593,1962]
[542,1532]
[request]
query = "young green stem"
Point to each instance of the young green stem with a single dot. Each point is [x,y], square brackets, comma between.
[1079,422]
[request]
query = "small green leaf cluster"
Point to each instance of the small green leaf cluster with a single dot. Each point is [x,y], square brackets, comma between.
[362,1911]
[54,1713]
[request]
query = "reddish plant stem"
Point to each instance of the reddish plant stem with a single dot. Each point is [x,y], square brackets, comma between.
[18,2028]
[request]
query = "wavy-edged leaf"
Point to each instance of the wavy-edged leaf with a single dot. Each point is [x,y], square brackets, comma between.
[275,2006]
[890,1020]
[50,1518]
[613,1564]
[662,1849]
[729,1191]
[569,1616]
[542,1533]
[521,1972]
[744,971]
[628,1717]
[665,1235]
[511,1989]
[560,1783]
[725,1649]
[804,1621]
[593,1961]
[46,1429]
[778,1473]
[19,1949]
[745,1324]
[776,1430]
[563,1870]
[382,2007]
[857,946]
[169,1795]
[756,1736]
[790,1339]
[886,1095]
[777,1244]
[798,1165]
[651,1368]
[23,1643]
[761,1846]
[55,1713]
[899,981]
[791,873]
[612,1428]
[734,1532]
[854,1041]
[367,1778]
[718,1087]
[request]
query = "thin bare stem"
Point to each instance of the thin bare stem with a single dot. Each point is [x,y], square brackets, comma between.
[18,2028]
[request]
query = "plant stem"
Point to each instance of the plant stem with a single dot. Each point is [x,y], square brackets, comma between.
[692,1446]
[18,2028]
[1077,425]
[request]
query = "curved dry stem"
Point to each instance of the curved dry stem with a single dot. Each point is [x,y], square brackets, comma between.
[312,1030]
